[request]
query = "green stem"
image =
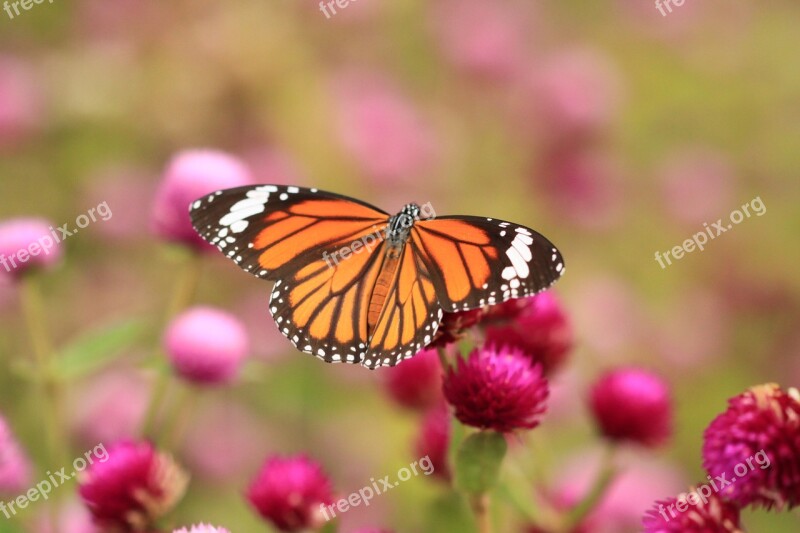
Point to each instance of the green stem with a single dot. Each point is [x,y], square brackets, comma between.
[175,425]
[184,293]
[607,474]
[443,358]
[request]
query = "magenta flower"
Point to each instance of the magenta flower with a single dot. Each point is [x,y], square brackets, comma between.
[541,330]
[27,244]
[454,326]
[206,345]
[290,493]
[190,175]
[434,440]
[416,383]
[22,106]
[382,129]
[755,443]
[632,405]
[132,488]
[497,389]
[691,513]
[202,528]
[15,467]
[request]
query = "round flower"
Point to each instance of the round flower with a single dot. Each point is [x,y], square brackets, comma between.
[700,514]
[416,383]
[290,493]
[633,405]
[497,389]
[202,528]
[189,176]
[26,244]
[433,441]
[540,329]
[755,443]
[454,326]
[206,345]
[15,468]
[22,106]
[132,488]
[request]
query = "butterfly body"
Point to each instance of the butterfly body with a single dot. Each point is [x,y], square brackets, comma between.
[354,284]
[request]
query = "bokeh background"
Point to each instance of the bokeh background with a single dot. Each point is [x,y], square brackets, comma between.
[614,130]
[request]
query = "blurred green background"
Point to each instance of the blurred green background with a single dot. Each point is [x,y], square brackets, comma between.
[614,130]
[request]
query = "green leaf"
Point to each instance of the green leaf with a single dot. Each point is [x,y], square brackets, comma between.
[95,349]
[479,460]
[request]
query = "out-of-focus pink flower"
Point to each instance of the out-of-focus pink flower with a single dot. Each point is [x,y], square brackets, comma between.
[134,487]
[190,175]
[289,493]
[72,518]
[416,383]
[434,440]
[15,467]
[382,129]
[584,186]
[755,444]
[21,103]
[710,515]
[224,455]
[481,37]
[497,388]
[99,19]
[575,93]
[698,186]
[26,244]
[128,192]
[541,330]
[206,345]
[373,530]
[111,406]
[632,405]
[269,164]
[202,528]
[266,340]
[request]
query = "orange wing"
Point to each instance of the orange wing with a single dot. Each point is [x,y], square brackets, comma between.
[477,261]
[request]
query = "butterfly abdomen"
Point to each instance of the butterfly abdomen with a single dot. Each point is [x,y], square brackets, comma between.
[383,285]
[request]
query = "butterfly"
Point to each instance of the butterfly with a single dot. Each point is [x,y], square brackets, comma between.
[355,284]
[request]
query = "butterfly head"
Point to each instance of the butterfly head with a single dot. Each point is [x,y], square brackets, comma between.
[400,224]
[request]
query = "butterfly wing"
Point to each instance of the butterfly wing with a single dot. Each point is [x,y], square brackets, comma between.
[477,261]
[291,235]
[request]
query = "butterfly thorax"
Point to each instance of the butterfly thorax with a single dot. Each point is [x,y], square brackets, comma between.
[400,225]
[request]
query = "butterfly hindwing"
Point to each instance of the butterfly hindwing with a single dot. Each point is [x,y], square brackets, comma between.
[478,261]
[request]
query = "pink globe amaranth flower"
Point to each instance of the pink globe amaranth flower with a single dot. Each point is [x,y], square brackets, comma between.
[434,440]
[202,528]
[455,326]
[632,405]
[382,130]
[710,514]
[541,330]
[206,346]
[21,103]
[132,488]
[27,244]
[15,467]
[416,383]
[289,493]
[498,389]
[755,443]
[481,37]
[190,175]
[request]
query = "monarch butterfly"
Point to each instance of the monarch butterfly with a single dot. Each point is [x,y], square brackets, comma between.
[356,285]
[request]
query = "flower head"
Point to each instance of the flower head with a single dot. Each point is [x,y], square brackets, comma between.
[202,528]
[540,329]
[289,491]
[454,326]
[633,405]
[433,441]
[132,488]
[497,389]
[27,244]
[206,345]
[756,443]
[15,468]
[416,383]
[189,176]
[693,512]
[22,106]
